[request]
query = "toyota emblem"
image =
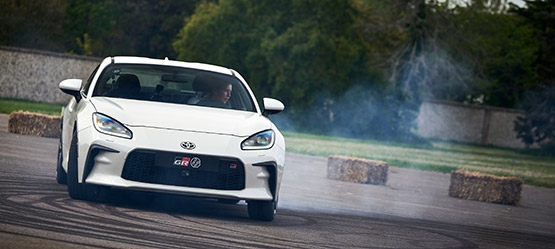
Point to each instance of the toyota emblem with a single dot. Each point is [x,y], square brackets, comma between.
[188,145]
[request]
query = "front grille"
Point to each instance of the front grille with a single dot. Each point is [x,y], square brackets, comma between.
[160,167]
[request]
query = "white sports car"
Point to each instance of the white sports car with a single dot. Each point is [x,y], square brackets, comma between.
[165,126]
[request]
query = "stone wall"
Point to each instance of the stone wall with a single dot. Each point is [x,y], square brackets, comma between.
[34,75]
[475,124]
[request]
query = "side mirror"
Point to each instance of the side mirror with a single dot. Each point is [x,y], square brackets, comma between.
[72,87]
[272,106]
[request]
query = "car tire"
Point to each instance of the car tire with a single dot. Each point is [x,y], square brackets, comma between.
[76,190]
[61,175]
[262,210]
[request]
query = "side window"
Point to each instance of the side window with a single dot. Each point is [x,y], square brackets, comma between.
[105,83]
[85,89]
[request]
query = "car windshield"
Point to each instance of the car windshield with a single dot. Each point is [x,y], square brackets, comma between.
[176,85]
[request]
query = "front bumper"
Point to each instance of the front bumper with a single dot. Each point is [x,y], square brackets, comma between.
[152,165]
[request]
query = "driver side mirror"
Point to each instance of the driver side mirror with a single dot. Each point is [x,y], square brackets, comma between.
[72,87]
[272,106]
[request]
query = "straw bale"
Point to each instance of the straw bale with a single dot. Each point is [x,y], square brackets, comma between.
[34,124]
[483,187]
[357,170]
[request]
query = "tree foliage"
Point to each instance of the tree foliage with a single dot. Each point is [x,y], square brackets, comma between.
[302,46]
[94,27]
[25,24]
[541,16]
[497,52]
[110,27]
[537,126]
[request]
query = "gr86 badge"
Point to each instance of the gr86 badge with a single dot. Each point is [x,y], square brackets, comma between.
[194,162]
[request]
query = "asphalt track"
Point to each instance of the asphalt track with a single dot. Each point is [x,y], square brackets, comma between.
[412,211]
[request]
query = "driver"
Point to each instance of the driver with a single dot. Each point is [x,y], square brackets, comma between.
[218,96]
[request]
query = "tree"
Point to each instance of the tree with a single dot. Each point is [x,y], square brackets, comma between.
[87,23]
[537,126]
[541,15]
[498,53]
[110,27]
[538,123]
[96,28]
[471,51]
[32,24]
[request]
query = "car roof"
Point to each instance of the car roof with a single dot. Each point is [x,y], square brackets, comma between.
[167,62]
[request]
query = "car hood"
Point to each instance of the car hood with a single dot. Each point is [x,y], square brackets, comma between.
[134,113]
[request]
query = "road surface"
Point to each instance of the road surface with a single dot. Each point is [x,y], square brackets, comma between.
[412,211]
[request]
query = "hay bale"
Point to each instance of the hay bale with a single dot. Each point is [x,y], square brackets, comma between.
[357,170]
[483,187]
[34,124]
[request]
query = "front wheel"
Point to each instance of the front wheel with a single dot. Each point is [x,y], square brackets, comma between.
[79,191]
[262,210]
[61,175]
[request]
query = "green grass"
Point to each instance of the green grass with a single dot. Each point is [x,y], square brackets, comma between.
[8,106]
[437,156]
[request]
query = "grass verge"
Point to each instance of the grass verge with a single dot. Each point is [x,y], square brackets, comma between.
[437,156]
[8,106]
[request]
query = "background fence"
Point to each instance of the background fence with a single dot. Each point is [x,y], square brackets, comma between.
[467,123]
[34,75]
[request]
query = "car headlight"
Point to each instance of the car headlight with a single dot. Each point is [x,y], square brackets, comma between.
[110,126]
[260,141]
